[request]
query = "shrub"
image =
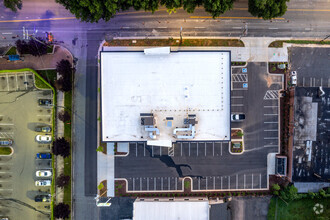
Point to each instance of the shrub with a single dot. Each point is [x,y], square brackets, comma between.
[64,116]
[62,180]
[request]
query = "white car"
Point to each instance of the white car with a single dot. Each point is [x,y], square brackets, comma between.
[43,182]
[43,173]
[237,117]
[293,73]
[44,138]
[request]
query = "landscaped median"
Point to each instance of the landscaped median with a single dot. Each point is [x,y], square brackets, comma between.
[279,43]
[237,141]
[176,42]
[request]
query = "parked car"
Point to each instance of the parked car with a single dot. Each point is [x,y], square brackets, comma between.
[45,129]
[44,139]
[294,80]
[44,156]
[237,117]
[43,182]
[42,198]
[43,173]
[6,142]
[45,102]
[293,73]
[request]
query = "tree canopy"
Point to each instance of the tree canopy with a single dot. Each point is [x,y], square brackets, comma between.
[61,210]
[35,47]
[13,4]
[267,9]
[95,10]
[61,147]
[64,83]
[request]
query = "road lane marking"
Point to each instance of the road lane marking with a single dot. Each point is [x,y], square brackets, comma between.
[200,27]
[253,18]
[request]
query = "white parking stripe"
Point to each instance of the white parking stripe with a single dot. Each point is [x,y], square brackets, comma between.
[271,146]
[260,180]
[161,183]
[140,184]
[16,82]
[144,149]
[270,122]
[228,182]
[244,181]
[271,106]
[206,183]
[236,181]
[237,97]
[176,183]
[169,183]
[270,114]
[189,149]
[270,138]
[7,82]
[133,184]
[160,151]
[271,130]
[199,183]
[148,183]
[214,182]
[205,149]
[25,80]
[213,148]
[221,183]
[152,150]
[252,180]
[221,148]
[237,105]
[155,183]
[303,81]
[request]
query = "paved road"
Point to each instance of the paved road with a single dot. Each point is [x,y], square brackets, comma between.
[311,19]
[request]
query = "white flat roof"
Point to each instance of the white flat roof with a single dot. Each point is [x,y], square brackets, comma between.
[171,210]
[172,85]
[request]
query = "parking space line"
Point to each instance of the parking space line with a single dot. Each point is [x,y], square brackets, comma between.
[43,115]
[311,82]
[181,149]
[252,180]
[133,184]
[140,184]
[314,82]
[161,183]
[199,183]
[16,82]
[144,149]
[205,149]
[329,82]
[270,138]
[197,149]
[155,183]
[176,183]
[237,105]
[228,182]
[213,148]
[214,182]
[303,81]
[244,181]
[160,151]
[206,183]
[148,183]
[321,81]
[136,149]
[271,146]
[270,114]
[221,182]
[169,184]
[237,97]
[7,82]
[5,124]
[260,180]
[270,122]
[271,130]
[152,150]
[271,106]
[236,181]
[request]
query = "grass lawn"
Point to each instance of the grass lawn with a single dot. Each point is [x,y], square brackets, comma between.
[48,75]
[298,209]
[5,150]
[279,43]
[67,135]
[173,42]
[11,51]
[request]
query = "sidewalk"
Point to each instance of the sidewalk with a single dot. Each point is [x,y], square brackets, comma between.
[47,61]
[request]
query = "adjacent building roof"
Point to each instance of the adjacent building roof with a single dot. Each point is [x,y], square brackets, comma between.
[169,87]
[170,210]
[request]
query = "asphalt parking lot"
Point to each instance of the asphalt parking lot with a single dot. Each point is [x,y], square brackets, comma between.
[209,164]
[20,114]
[312,66]
[258,100]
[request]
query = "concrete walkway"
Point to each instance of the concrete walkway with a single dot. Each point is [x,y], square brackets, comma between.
[59,192]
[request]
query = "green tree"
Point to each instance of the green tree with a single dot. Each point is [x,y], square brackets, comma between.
[276,188]
[267,9]
[13,4]
[217,7]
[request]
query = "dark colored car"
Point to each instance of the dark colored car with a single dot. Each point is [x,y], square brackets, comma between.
[42,198]
[44,129]
[237,117]
[6,142]
[44,156]
[45,102]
